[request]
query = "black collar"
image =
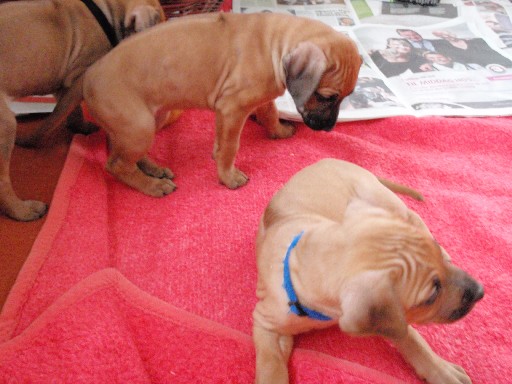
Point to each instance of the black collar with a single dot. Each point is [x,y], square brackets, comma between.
[102,20]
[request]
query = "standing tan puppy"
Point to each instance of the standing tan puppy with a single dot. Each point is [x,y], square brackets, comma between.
[230,63]
[45,47]
[335,246]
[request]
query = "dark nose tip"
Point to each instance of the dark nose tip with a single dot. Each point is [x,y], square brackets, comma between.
[318,123]
[472,294]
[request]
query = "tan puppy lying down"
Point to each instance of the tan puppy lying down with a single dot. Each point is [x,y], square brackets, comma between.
[230,63]
[335,246]
[45,47]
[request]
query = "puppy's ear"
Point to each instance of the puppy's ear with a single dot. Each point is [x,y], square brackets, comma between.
[304,66]
[142,17]
[370,306]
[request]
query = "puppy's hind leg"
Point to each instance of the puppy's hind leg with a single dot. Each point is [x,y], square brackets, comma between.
[150,168]
[130,141]
[10,204]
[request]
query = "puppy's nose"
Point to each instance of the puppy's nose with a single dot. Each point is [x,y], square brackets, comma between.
[473,292]
[319,122]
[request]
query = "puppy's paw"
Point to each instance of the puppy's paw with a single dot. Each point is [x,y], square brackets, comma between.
[282,130]
[160,173]
[142,17]
[27,210]
[166,174]
[159,187]
[447,373]
[154,170]
[234,179]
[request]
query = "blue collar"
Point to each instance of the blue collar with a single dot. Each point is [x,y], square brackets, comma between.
[295,306]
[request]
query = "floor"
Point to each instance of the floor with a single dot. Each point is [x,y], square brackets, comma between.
[34,174]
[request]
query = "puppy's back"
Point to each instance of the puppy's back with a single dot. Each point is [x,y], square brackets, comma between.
[36,24]
[327,187]
[323,188]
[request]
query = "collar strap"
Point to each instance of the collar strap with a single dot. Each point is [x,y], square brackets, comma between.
[295,306]
[103,21]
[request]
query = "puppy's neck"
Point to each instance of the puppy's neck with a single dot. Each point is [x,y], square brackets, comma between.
[316,271]
[330,254]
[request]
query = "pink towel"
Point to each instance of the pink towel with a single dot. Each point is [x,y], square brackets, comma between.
[122,287]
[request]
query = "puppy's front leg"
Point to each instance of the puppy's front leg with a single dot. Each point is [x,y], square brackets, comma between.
[272,354]
[268,116]
[427,363]
[228,127]
[10,203]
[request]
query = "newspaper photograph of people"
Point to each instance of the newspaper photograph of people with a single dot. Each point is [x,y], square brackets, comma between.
[452,59]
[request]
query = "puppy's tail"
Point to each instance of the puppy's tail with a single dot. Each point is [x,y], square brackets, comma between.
[402,189]
[49,133]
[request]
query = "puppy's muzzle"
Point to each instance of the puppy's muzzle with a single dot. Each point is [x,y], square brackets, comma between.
[318,122]
[322,117]
[472,292]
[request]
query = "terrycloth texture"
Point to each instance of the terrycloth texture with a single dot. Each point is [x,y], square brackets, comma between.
[121,287]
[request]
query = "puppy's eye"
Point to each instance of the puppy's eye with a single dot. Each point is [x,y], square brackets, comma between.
[435,294]
[326,99]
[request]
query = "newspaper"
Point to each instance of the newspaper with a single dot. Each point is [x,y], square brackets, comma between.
[453,59]
[32,105]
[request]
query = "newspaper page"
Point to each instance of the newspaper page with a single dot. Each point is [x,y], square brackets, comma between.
[453,59]
[43,104]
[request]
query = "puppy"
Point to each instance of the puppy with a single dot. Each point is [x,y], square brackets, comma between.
[233,64]
[335,246]
[45,47]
